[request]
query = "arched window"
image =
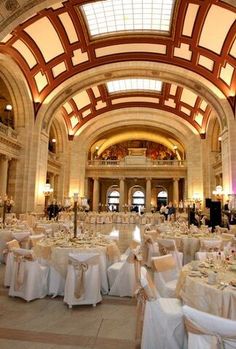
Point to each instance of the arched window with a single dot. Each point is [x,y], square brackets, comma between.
[162,194]
[162,198]
[138,198]
[113,200]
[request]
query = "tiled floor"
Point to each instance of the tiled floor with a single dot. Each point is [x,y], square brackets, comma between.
[49,324]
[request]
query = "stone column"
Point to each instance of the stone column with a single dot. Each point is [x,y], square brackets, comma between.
[176,191]
[95,194]
[4,163]
[122,195]
[148,195]
[55,187]
[86,181]
[227,164]
[41,173]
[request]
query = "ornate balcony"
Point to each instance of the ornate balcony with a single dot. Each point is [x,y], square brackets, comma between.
[136,162]
[137,167]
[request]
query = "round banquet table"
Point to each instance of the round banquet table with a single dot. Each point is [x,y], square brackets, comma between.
[218,299]
[57,257]
[188,244]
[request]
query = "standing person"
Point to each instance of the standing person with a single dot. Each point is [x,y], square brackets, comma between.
[53,210]
[166,212]
[181,206]
[171,210]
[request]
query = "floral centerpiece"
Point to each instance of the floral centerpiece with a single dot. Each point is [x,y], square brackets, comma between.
[9,204]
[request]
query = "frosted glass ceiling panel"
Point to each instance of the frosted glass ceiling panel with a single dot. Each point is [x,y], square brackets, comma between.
[128,15]
[134,84]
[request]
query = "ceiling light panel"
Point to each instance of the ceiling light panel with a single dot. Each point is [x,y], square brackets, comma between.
[134,85]
[128,15]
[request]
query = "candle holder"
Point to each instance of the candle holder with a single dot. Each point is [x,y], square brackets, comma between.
[6,203]
[76,198]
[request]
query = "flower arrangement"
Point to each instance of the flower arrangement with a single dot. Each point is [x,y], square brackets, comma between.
[7,202]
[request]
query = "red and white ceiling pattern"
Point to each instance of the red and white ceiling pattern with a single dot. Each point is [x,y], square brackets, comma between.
[54,45]
[175,99]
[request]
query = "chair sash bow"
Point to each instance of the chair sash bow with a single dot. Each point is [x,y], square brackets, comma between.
[163,265]
[20,269]
[194,328]
[80,269]
[164,249]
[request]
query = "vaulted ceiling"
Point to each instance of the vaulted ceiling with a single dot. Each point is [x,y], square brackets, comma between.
[65,39]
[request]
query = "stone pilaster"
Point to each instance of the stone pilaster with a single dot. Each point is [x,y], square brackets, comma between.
[4,164]
[95,194]
[176,191]
[148,194]
[122,194]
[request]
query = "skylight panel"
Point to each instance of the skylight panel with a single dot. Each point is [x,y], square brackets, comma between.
[112,16]
[134,85]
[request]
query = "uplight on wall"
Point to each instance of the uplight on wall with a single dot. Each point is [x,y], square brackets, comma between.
[218,191]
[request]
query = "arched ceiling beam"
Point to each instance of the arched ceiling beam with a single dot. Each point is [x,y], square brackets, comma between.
[191,46]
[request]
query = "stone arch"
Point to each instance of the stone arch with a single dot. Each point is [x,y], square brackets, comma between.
[162,71]
[19,92]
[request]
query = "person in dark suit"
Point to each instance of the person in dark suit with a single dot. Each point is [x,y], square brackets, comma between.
[53,210]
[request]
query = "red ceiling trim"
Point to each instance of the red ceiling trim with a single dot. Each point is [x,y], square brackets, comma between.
[86,45]
[143,105]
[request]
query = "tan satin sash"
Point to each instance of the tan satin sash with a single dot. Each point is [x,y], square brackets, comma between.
[143,294]
[81,268]
[194,328]
[20,269]
[165,249]
[160,265]
[135,258]
[11,245]
[134,244]
[113,252]
[148,240]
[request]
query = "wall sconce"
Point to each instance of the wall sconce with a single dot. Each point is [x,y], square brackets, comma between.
[196,197]
[76,197]
[218,192]
[47,190]
[8,109]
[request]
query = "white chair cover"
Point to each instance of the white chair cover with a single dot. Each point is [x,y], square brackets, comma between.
[210,245]
[165,280]
[209,331]
[11,246]
[125,282]
[36,238]
[29,279]
[169,246]
[113,271]
[163,326]
[100,219]
[150,249]
[56,284]
[22,237]
[204,255]
[87,265]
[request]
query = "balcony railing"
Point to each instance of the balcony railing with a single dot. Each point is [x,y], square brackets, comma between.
[7,131]
[147,162]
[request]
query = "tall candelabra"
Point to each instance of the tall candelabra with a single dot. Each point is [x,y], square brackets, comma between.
[6,203]
[76,197]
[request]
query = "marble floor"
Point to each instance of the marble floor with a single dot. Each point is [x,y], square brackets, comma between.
[48,323]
